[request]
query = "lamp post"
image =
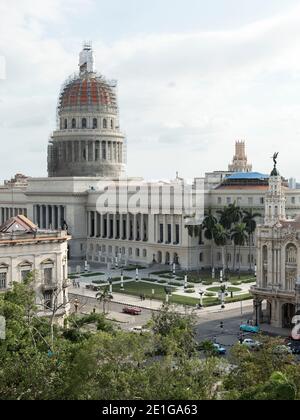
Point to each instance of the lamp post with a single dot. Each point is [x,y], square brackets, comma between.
[213,273]
[136,274]
[222,295]
[185,280]
[122,279]
[110,285]
[221,276]
[201,293]
[174,269]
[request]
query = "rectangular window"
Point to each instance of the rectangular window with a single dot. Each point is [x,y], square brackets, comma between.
[3,281]
[48,275]
[177,234]
[24,274]
[228,200]
[220,200]
[293,200]
[161,233]
[262,200]
[169,234]
[48,300]
[250,201]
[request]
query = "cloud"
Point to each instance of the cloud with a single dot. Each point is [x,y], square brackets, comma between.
[184,97]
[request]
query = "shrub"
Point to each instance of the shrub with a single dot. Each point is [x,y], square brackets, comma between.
[189,291]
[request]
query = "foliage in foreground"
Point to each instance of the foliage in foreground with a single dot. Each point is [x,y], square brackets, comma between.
[103,362]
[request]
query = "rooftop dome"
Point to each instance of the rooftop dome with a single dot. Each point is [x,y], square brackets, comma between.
[87,90]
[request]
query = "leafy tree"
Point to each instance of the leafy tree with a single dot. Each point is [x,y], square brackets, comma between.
[175,333]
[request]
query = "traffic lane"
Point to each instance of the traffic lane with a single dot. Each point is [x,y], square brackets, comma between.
[115,312]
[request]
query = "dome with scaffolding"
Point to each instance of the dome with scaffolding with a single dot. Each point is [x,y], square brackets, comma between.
[87,141]
[88,91]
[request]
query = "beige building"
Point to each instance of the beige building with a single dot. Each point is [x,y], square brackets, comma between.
[24,249]
[87,152]
[276,295]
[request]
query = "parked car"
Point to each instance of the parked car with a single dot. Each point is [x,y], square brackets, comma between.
[251,344]
[219,349]
[139,329]
[255,329]
[294,346]
[132,311]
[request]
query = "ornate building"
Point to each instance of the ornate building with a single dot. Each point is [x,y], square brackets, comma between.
[278,259]
[88,140]
[87,153]
[24,248]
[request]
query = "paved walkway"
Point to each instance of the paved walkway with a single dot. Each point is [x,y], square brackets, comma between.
[152,304]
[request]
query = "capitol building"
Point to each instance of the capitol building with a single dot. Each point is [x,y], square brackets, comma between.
[146,222]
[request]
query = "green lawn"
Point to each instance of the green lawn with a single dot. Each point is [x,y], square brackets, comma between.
[229,289]
[92,274]
[140,288]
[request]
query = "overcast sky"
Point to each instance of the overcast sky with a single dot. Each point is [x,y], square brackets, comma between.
[193,77]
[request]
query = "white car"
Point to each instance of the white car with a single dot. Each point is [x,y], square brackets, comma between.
[139,329]
[251,344]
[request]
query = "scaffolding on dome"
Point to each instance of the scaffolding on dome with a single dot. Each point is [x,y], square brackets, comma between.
[90,94]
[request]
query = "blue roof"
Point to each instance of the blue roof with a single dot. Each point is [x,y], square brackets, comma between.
[248,175]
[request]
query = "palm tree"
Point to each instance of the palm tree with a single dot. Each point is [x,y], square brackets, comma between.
[250,222]
[239,236]
[221,236]
[208,226]
[229,216]
[104,296]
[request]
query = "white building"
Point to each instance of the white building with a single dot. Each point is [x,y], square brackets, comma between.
[87,155]
[25,249]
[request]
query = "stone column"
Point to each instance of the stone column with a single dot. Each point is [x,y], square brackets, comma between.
[172,230]
[142,227]
[114,226]
[47,216]
[41,217]
[88,224]
[121,227]
[102,224]
[59,216]
[127,226]
[96,223]
[134,227]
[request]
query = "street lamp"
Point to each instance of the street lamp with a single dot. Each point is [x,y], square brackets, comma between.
[201,293]
[136,274]
[110,285]
[213,273]
[122,279]
[185,280]
[174,269]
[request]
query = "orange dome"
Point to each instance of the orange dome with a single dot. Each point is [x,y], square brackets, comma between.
[88,91]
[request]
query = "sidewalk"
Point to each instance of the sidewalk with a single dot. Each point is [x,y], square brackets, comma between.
[156,305]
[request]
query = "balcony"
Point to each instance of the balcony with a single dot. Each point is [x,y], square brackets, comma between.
[49,285]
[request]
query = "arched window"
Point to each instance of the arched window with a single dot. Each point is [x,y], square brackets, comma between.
[104,123]
[291,254]
[73,123]
[95,123]
[83,123]
[201,257]
[66,124]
